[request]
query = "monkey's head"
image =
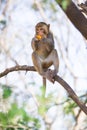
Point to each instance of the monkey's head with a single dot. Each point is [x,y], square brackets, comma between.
[42,29]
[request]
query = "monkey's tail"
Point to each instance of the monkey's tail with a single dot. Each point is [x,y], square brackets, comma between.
[44,81]
[44,85]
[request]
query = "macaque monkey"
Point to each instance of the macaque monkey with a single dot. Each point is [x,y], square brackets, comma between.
[44,55]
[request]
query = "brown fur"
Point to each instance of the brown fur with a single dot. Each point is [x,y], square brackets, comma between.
[44,55]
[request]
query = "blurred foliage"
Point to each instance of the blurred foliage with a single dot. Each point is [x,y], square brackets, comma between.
[15,117]
[69,107]
[2,24]
[48,3]
[18,117]
[7,92]
[45,4]
[64,3]
[44,103]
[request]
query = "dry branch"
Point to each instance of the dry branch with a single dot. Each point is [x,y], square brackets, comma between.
[70,91]
[17,68]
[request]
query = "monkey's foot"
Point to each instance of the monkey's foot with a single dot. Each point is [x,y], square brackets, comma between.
[50,75]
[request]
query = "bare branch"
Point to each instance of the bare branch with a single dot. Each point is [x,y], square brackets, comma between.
[70,91]
[17,68]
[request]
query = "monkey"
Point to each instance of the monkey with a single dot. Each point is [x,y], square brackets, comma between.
[44,54]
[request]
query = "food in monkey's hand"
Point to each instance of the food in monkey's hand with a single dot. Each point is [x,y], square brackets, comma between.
[38,37]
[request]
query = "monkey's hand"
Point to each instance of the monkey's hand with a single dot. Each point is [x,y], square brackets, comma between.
[34,44]
[38,37]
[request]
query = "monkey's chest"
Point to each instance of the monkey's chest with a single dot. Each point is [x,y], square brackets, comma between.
[43,51]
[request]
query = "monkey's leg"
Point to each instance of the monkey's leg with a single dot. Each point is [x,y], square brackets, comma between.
[37,63]
[41,66]
[44,85]
[55,61]
[44,81]
[38,66]
[52,59]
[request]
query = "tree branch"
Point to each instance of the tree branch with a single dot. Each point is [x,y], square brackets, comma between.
[17,68]
[76,17]
[70,91]
[83,7]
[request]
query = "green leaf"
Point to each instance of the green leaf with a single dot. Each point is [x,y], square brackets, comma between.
[42,110]
[20,129]
[15,111]
[12,112]
[3,118]
[10,129]
[64,3]
[7,92]
[69,107]
[24,115]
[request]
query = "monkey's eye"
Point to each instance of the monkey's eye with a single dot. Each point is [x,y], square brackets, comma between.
[42,29]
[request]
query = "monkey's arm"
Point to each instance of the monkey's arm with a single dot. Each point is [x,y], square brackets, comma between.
[34,44]
[49,40]
[49,44]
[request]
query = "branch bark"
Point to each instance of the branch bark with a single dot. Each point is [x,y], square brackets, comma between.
[83,7]
[77,18]
[70,91]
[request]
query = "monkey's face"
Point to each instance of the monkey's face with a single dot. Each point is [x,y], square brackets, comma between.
[42,30]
